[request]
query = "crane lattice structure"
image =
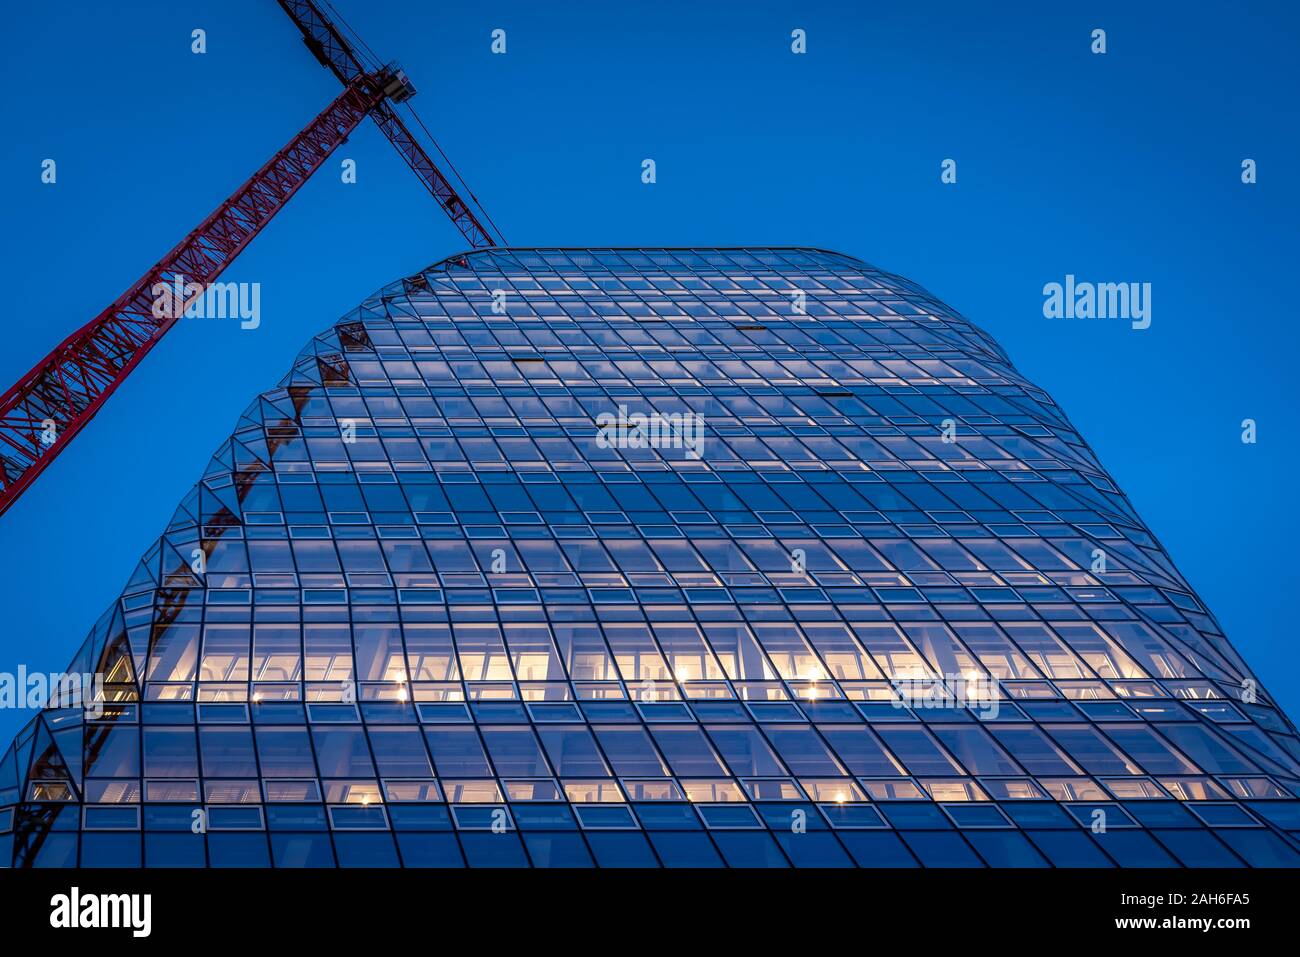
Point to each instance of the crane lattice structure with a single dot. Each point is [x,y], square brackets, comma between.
[43,412]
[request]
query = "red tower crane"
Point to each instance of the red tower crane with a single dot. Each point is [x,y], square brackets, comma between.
[46,408]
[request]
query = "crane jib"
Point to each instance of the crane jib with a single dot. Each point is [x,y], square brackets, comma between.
[45,409]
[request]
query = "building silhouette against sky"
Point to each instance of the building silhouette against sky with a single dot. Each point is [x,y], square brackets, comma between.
[752,557]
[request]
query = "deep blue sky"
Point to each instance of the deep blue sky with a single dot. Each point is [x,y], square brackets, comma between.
[1123,167]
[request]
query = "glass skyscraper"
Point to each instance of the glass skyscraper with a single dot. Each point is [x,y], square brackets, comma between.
[658,557]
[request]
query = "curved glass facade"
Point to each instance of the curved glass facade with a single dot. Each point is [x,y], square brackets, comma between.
[746,557]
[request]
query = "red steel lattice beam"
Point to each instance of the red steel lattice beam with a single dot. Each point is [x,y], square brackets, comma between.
[65,389]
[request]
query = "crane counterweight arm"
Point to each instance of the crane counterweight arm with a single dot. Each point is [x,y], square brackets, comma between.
[42,413]
[329,46]
[324,40]
[48,406]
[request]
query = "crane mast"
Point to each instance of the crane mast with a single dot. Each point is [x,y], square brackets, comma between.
[329,46]
[42,412]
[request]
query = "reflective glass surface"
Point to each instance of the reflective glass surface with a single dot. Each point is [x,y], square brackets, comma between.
[708,557]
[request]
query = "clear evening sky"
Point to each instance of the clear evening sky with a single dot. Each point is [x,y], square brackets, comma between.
[1123,167]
